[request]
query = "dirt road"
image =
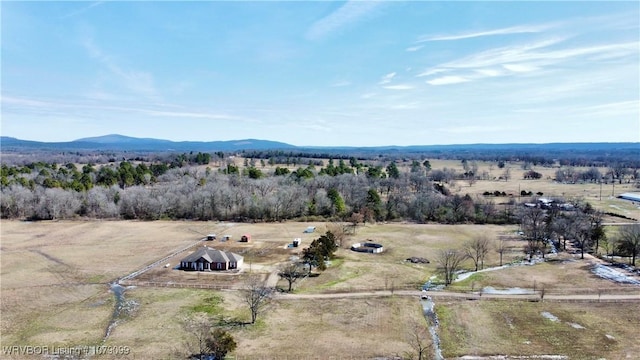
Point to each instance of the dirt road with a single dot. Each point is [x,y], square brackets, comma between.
[468,296]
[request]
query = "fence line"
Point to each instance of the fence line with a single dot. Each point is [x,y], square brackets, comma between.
[570,295]
[176,285]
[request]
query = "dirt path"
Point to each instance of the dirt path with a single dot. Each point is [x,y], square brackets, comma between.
[159,262]
[468,296]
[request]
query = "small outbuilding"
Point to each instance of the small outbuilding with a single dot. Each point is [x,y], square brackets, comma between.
[367,247]
[209,259]
[630,196]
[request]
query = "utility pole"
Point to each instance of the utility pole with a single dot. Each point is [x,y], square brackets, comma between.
[600,190]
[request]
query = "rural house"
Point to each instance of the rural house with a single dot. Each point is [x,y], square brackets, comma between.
[208,259]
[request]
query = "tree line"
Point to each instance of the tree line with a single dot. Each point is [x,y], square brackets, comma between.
[172,190]
[183,187]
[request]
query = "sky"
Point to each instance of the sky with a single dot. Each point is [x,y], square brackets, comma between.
[322,73]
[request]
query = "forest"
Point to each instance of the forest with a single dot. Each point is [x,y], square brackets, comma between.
[271,185]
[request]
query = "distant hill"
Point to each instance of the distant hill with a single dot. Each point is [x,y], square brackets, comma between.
[126,143]
[120,139]
[116,142]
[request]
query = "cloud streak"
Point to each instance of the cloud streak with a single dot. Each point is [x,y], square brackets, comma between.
[528,58]
[448,80]
[51,105]
[387,78]
[347,14]
[81,10]
[139,82]
[523,29]
[399,87]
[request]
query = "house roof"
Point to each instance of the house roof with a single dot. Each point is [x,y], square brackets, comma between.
[212,256]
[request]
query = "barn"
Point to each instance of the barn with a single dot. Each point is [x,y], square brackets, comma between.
[209,259]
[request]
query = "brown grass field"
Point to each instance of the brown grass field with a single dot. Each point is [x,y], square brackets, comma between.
[601,197]
[55,276]
[595,331]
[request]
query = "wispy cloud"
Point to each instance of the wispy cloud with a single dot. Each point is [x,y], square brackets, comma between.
[349,13]
[139,82]
[81,10]
[531,58]
[489,72]
[432,72]
[537,54]
[520,67]
[414,48]
[448,80]
[156,110]
[502,31]
[399,87]
[474,129]
[387,78]
[9,100]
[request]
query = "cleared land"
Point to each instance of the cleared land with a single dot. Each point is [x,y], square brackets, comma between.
[577,331]
[602,197]
[55,291]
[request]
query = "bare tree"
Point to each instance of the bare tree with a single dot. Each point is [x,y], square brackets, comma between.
[57,204]
[449,262]
[206,340]
[586,230]
[340,231]
[609,246]
[561,227]
[418,339]
[291,272]
[355,219]
[506,175]
[257,296]
[198,327]
[533,224]
[476,249]
[629,241]
[501,247]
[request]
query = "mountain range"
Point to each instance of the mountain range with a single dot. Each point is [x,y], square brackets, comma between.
[127,143]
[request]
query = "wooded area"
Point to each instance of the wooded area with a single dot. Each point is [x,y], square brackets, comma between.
[272,186]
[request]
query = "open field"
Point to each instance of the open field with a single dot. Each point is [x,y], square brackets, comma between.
[353,270]
[595,331]
[602,197]
[55,275]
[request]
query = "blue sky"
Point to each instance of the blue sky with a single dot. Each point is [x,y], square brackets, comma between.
[356,73]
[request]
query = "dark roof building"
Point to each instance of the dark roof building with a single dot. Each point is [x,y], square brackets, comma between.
[208,259]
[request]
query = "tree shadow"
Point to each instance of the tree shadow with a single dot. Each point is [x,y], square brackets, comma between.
[231,322]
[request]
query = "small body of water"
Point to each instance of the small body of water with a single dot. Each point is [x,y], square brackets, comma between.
[428,310]
[122,308]
[118,294]
[509,291]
